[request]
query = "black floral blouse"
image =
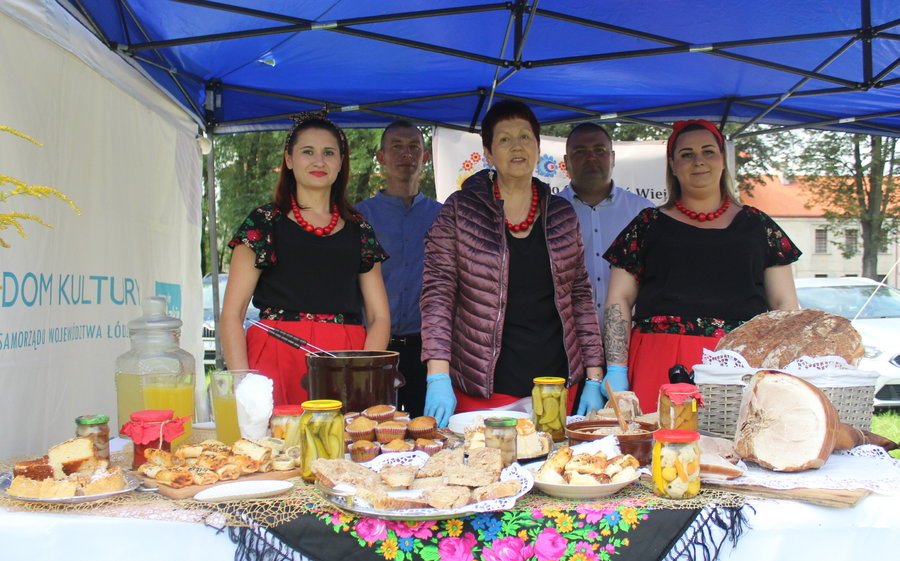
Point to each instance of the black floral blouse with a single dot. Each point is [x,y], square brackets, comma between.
[699,281]
[258,233]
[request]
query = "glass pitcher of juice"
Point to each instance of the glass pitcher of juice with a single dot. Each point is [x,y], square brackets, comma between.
[155,373]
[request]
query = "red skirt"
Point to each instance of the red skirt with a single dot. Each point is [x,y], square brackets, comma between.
[651,355]
[285,365]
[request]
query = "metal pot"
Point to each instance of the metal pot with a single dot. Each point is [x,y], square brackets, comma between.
[359,379]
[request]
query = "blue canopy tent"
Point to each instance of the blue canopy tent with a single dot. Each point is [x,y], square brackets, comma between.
[247,64]
[243,65]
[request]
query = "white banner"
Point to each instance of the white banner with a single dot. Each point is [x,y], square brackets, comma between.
[640,166]
[128,159]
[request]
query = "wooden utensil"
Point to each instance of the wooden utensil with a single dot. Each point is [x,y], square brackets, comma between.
[615,405]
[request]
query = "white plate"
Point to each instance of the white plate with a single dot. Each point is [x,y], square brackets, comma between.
[578,491]
[460,421]
[253,489]
[131,483]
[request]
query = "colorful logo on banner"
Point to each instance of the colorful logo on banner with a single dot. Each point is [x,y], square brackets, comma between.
[548,167]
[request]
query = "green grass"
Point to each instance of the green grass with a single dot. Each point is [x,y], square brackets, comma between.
[887,423]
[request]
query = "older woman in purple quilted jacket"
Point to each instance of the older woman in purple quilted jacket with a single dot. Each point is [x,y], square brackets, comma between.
[505,294]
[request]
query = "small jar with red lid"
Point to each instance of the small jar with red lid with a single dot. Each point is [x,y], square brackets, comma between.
[152,428]
[678,405]
[285,424]
[676,463]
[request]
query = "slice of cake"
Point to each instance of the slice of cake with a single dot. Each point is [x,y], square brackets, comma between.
[72,456]
[37,469]
[105,481]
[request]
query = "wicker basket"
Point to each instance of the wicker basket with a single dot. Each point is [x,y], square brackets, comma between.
[722,402]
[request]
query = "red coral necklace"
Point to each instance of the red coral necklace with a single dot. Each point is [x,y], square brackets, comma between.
[524,225]
[335,215]
[703,216]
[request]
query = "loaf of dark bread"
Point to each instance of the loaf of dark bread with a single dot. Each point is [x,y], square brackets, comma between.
[775,339]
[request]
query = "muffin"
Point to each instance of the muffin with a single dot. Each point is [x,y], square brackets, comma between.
[401,416]
[350,416]
[390,430]
[363,450]
[422,427]
[430,447]
[380,412]
[397,445]
[361,428]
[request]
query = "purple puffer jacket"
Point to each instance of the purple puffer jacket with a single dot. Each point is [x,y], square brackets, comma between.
[464,287]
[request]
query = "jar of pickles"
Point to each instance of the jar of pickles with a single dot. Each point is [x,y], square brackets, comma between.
[322,433]
[285,424]
[95,427]
[675,466]
[500,433]
[678,404]
[549,399]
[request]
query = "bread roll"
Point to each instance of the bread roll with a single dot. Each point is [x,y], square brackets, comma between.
[775,339]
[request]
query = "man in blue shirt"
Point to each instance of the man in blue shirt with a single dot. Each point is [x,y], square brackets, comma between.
[401,216]
[603,209]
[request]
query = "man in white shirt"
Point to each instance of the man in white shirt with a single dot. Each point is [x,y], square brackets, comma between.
[603,209]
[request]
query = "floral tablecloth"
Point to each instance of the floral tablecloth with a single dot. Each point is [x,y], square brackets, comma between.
[586,532]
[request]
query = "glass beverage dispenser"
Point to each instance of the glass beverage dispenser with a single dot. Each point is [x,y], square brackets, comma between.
[156,373]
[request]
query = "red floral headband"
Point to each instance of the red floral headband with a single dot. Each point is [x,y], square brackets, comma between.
[679,126]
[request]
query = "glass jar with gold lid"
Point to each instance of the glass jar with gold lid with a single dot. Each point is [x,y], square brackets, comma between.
[322,433]
[549,401]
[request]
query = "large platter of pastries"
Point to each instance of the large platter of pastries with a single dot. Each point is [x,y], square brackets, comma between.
[70,473]
[195,467]
[414,486]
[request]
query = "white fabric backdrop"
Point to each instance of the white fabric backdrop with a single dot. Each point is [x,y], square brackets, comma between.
[126,155]
[640,166]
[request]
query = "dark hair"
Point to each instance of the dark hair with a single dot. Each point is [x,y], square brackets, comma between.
[587,128]
[399,124]
[673,186]
[504,111]
[287,184]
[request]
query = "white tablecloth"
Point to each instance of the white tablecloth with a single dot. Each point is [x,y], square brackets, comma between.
[779,530]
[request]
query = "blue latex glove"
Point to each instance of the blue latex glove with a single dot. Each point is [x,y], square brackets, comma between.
[440,401]
[591,397]
[617,376]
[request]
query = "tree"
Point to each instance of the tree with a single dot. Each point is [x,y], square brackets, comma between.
[852,176]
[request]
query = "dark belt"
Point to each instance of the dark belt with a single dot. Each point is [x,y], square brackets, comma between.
[406,340]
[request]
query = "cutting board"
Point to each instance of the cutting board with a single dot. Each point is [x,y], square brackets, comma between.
[839,498]
[191,490]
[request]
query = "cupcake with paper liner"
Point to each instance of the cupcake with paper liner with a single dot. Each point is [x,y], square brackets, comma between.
[429,446]
[422,427]
[350,416]
[363,450]
[390,430]
[361,428]
[380,413]
[401,416]
[397,445]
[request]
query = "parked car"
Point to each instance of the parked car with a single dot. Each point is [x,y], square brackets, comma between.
[209,328]
[878,323]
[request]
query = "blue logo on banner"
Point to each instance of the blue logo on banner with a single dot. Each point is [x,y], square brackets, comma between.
[172,293]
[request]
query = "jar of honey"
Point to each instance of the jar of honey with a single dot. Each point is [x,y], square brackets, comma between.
[549,400]
[152,428]
[322,432]
[675,465]
[678,404]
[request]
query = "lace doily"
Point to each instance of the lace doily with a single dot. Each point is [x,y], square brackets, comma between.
[730,368]
[864,467]
[418,459]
